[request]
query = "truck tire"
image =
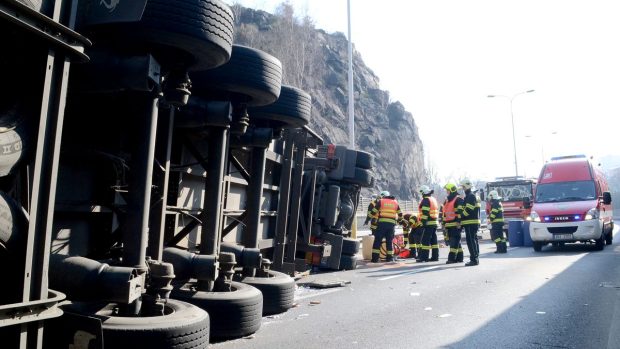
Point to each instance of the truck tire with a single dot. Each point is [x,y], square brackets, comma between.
[291,110]
[183,326]
[202,30]
[15,138]
[537,246]
[365,160]
[347,262]
[251,76]
[363,177]
[278,291]
[233,314]
[350,246]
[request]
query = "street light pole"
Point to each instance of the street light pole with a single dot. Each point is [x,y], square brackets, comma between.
[351,92]
[512,120]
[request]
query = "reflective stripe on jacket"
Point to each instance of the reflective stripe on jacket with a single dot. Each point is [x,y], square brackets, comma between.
[428,211]
[452,212]
[471,210]
[387,210]
[497,212]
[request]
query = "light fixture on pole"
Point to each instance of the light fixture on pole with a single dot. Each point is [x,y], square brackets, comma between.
[512,119]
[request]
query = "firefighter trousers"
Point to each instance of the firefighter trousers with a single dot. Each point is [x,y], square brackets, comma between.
[429,241]
[385,231]
[415,238]
[497,235]
[454,241]
[471,231]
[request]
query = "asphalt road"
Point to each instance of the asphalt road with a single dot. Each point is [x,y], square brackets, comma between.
[559,298]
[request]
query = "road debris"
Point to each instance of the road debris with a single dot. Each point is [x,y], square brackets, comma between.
[444,315]
[541,312]
[414,294]
[428,308]
[301,316]
[315,302]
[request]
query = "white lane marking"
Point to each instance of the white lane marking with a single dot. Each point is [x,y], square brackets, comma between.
[320,293]
[408,273]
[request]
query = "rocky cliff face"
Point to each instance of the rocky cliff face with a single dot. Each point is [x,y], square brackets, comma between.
[317,62]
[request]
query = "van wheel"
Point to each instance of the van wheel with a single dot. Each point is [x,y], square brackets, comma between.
[537,246]
[599,244]
[609,238]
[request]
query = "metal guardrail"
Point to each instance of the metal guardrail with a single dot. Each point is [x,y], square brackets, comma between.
[407,206]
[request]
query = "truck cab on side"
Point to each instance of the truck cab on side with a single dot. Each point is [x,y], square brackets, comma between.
[572,204]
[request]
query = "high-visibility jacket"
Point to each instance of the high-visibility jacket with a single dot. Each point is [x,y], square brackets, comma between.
[410,222]
[471,209]
[496,215]
[429,211]
[373,221]
[451,212]
[387,210]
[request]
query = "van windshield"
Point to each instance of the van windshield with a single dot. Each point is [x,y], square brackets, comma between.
[565,191]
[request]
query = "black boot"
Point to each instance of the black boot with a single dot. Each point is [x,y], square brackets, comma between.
[375,258]
[423,256]
[435,255]
[471,263]
[389,258]
[504,247]
[459,257]
[413,253]
[498,247]
[451,258]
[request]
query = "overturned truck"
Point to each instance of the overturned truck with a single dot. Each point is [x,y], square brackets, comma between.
[159,185]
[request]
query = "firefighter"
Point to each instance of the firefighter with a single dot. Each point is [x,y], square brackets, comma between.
[428,209]
[496,217]
[387,213]
[369,218]
[411,232]
[470,221]
[451,217]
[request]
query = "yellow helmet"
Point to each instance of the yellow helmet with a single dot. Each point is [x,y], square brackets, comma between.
[450,188]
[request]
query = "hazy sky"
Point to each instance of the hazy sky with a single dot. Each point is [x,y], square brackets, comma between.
[442,58]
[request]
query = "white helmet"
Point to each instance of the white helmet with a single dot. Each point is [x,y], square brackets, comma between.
[425,190]
[384,193]
[493,195]
[466,184]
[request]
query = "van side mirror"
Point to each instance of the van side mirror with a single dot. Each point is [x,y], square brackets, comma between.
[606,198]
[527,203]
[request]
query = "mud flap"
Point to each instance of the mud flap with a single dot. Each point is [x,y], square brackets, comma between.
[332,261]
[74,331]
